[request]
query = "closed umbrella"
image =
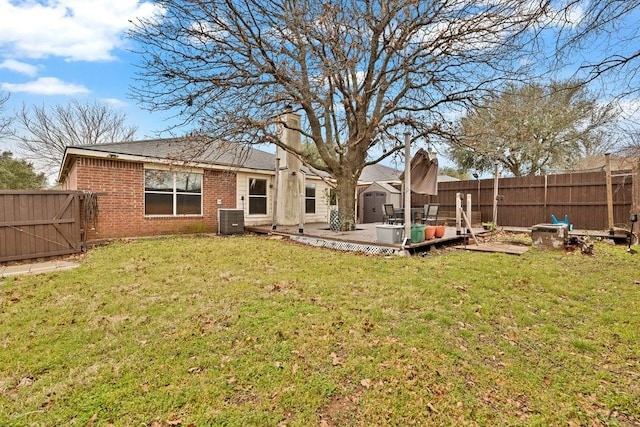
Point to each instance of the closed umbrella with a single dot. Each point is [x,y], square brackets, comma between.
[424,173]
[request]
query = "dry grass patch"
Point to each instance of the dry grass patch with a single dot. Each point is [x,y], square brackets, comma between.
[254,331]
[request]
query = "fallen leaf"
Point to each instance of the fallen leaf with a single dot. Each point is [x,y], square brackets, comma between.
[366,383]
[25,381]
[92,420]
[335,359]
[294,368]
[431,407]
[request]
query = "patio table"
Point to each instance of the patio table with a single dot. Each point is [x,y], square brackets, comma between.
[415,214]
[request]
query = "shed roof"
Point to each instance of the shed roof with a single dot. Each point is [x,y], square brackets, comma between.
[383,186]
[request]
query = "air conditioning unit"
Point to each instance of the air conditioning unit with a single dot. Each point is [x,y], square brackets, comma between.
[230,221]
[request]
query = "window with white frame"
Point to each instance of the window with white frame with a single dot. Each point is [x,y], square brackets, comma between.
[169,193]
[257,196]
[310,198]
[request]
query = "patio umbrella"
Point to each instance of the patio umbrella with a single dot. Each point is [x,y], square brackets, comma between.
[424,173]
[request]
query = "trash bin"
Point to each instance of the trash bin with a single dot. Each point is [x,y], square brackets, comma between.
[417,233]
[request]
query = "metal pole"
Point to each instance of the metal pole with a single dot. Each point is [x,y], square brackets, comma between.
[407,186]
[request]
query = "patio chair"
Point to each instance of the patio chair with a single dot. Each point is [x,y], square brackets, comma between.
[389,215]
[431,213]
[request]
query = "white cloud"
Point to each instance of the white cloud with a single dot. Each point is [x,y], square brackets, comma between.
[630,110]
[114,102]
[19,67]
[76,30]
[575,15]
[46,86]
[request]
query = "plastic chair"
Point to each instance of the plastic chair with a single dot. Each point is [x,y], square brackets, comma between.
[566,222]
[431,213]
[389,214]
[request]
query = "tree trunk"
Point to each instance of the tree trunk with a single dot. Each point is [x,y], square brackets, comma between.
[346,192]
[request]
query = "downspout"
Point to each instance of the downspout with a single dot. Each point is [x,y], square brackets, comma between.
[276,185]
[302,201]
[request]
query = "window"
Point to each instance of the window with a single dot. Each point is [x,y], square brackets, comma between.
[310,198]
[172,193]
[257,196]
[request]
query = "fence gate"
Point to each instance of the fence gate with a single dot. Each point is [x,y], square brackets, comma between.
[36,224]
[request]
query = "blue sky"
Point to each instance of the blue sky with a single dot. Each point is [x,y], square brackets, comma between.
[54,51]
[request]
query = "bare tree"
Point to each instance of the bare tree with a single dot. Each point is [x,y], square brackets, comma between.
[360,73]
[606,34]
[5,121]
[46,131]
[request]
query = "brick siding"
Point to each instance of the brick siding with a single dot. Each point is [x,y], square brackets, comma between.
[120,188]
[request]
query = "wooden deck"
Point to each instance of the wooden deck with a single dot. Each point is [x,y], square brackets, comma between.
[363,239]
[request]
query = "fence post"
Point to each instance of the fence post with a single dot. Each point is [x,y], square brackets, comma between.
[635,189]
[495,194]
[607,163]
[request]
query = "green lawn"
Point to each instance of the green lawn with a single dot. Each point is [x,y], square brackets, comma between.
[256,331]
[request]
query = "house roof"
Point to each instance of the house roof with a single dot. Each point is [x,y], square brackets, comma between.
[190,149]
[185,150]
[196,151]
[379,173]
[447,178]
[597,163]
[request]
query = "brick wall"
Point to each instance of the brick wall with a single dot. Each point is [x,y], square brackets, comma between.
[120,189]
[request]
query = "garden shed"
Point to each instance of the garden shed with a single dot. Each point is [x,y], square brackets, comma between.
[374,196]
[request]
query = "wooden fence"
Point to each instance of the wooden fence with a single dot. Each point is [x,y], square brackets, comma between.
[526,201]
[38,224]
